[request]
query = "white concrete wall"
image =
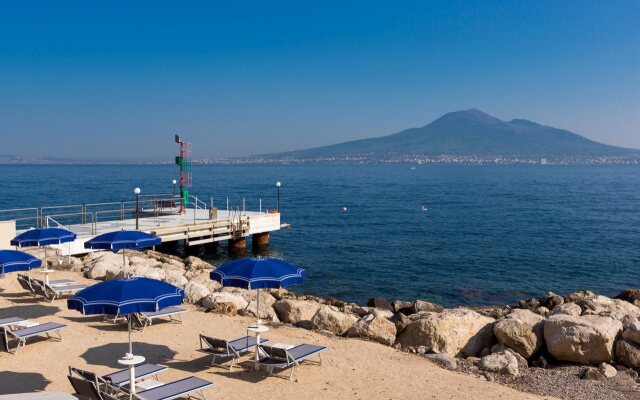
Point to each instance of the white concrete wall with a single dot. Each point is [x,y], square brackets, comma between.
[7,232]
[264,223]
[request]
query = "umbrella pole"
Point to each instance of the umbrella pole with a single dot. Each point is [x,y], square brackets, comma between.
[124,265]
[130,345]
[258,308]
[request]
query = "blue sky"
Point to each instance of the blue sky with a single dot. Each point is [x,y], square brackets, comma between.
[117,80]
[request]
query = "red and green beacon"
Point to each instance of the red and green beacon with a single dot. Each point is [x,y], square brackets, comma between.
[184,161]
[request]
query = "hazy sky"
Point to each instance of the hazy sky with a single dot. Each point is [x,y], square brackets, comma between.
[116,81]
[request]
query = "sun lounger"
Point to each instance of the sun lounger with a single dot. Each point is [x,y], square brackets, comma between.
[118,378]
[21,335]
[281,358]
[53,292]
[173,390]
[185,387]
[146,318]
[234,349]
[142,371]
[62,282]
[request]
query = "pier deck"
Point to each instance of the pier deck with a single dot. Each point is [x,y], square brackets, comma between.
[195,226]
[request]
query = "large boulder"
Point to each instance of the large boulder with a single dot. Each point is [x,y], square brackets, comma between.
[251,295]
[630,295]
[566,309]
[145,272]
[628,353]
[202,278]
[194,292]
[380,302]
[632,333]
[144,261]
[193,263]
[457,332]
[175,278]
[575,296]
[296,312]
[103,270]
[222,297]
[504,362]
[586,340]
[266,311]
[329,318]
[374,328]
[551,300]
[522,331]
[604,306]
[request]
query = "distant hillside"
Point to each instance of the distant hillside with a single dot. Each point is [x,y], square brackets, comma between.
[471,133]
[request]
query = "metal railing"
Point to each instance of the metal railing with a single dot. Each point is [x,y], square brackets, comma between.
[83,219]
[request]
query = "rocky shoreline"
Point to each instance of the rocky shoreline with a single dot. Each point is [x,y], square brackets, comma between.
[581,345]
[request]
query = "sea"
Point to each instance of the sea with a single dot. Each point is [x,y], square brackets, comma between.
[447,233]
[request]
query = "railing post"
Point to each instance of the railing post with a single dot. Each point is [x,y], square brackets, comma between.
[195,208]
[260,204]
[84,212]
[244,211]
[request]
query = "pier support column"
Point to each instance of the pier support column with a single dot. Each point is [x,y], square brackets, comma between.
[260,239]
[238,247]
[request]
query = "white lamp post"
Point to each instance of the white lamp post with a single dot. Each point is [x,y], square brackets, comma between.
[278,184]
[137,192]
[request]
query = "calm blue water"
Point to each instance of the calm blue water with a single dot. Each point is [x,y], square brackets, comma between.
[492,234]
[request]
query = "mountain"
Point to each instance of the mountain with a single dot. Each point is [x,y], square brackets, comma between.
[471,133]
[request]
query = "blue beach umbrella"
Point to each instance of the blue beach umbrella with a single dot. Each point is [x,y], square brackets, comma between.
[258,273]
[122,240]
[43,237]
[13,261]
[124,297]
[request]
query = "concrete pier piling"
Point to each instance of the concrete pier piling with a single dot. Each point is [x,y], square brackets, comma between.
[237,246]
[260,239]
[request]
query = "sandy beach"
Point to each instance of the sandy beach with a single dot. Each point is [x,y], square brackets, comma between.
[353,369]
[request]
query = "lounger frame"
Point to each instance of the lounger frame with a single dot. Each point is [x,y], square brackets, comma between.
[278,358]
[22,338]
[146,319]
[224,349]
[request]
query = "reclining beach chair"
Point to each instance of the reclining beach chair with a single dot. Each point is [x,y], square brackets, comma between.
[146,318]
[53,292]
[25,283]
[185,387]
[118,378]
[21,335]
[281,358]
[223,349]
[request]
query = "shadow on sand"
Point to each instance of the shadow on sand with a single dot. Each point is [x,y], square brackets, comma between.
[22,382]
[109,354]
[31,311]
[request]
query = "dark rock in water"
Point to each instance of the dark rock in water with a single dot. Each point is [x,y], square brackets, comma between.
[575,296]
[380,302]
[629,295]
[401,305]
[591,374]
[528,304]
[400,320]
[551,300]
